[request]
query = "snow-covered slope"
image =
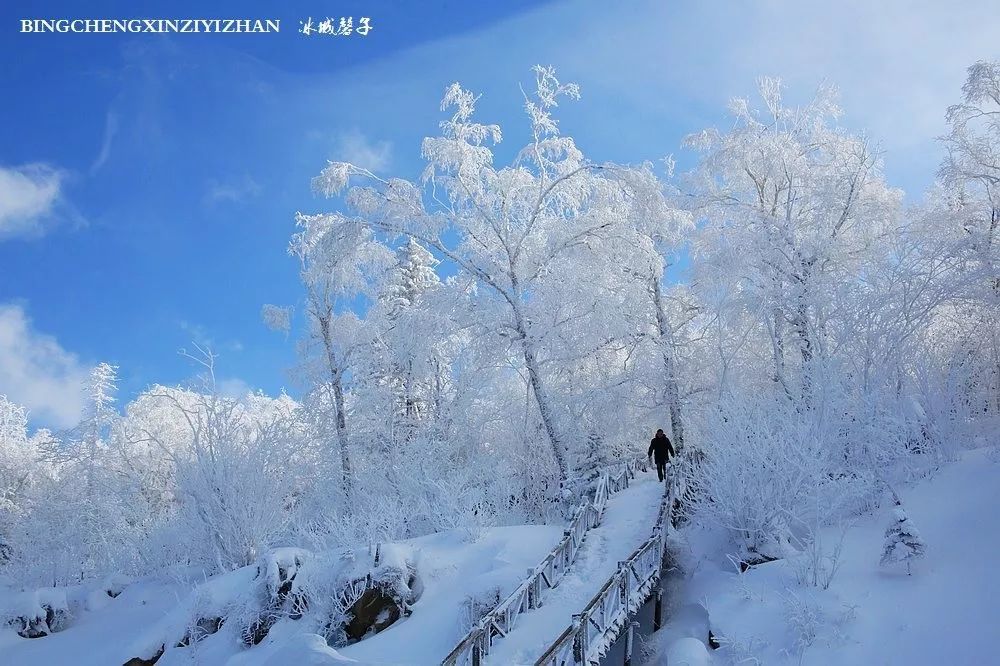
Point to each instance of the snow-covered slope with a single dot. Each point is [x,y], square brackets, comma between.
[454,572]
[946,612]
[487,570]
[452,569]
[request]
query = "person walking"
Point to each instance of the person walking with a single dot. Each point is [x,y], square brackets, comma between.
[661,450]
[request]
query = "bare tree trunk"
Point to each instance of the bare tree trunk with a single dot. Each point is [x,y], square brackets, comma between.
[438,389]
[669,369]
[345,456]
[337,387]
[778,349]
[801,324]
[409,399]
[541,397]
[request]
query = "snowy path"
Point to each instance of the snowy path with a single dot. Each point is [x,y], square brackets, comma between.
[628,521]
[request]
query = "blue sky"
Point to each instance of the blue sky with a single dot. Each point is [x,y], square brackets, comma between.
[148,183]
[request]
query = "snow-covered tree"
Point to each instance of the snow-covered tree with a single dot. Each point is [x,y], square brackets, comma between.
[792,206]
[277,317]
[970,178]
[972,167]
[336,262]
[594,457]
[96,503]
[413,276]
[17,461]
[408,333]
[903,542]
[518,231]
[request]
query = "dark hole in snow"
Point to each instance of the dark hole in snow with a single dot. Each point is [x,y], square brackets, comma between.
[755,560]
[373,612]
[205,626]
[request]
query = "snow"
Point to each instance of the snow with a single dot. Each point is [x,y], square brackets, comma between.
[306,650]
[628,521]
[688,651]
[943,613]
[102,636]
[153,611]
[452,574]
[871,614]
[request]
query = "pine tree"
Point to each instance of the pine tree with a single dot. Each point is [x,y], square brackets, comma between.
[591,460]
[413,277]
[903,542]
[96,433]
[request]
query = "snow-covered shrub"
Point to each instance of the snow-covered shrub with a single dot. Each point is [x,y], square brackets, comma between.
[234,473]
[805,619]
[37,613]
[762,475]
[475,607]
[350,593]
[816,564]
[903,542]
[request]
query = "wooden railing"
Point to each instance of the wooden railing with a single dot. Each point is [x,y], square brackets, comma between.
[595,629]
[500,621]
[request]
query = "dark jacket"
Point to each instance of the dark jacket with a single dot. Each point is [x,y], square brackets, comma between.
[661,447]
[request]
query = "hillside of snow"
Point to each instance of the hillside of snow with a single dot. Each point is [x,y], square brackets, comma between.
[453,571]
[457,576]
[945,612]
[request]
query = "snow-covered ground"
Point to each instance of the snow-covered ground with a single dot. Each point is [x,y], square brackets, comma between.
[452,570]
[488,569]
[628,521]
[946,612]
[102,635]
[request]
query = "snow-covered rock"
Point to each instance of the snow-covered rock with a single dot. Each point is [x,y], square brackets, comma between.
[305,650]
[688,652]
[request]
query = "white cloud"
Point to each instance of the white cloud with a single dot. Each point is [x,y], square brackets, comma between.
[659,70]
[232,191]
[898,64]
[28,197]
[110,130]
[356,148]
[36,372]
[201,336]
[233,387]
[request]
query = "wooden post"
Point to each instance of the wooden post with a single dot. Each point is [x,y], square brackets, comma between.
[658,609]
[532,600]
[565,551]
[579,644]
[623,589]
[628,643]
